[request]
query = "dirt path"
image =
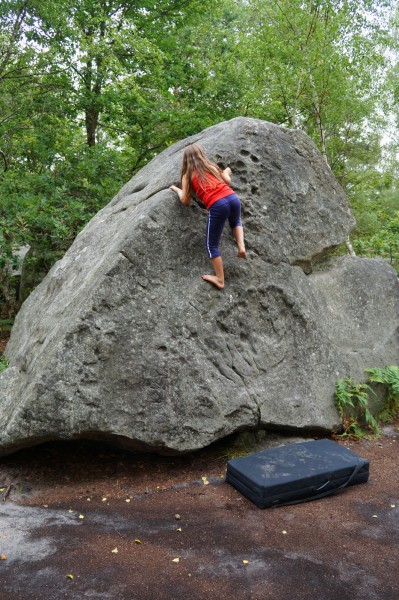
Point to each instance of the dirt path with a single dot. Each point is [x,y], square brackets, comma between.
[83,521]
[3,344]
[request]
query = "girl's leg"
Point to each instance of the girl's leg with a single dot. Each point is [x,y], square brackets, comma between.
[238,233]
[235,224]
[218,278]
[217,215]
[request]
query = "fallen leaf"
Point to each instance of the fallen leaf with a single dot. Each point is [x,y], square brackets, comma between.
[246,562]
[104,499]
[70,510]
[205,480]
[2,489]
[3,557]
[88,499]
[176,560]
[138,542]
[177,517]
[69,576]
[393,505]
[45,505]
[115,551]
[81,516]
[178,529]
[284,532]
[127,500]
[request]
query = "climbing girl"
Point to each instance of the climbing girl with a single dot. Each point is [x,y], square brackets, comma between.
[211,185]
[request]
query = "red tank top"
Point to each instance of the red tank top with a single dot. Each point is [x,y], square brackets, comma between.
[211,191]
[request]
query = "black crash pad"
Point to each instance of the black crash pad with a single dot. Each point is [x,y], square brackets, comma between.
[296,472]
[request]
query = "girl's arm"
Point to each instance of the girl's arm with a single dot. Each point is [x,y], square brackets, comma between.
[226,175]
[184,194]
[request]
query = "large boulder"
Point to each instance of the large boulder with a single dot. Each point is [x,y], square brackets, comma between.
[124,342]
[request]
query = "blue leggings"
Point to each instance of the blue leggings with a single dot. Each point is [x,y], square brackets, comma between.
[223,209]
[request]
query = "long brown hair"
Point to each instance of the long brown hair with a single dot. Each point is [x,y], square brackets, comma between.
[195,161]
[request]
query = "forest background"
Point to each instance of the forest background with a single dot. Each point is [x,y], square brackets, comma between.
[91,90]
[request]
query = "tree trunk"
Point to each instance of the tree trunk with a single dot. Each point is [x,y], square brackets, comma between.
[297,95]
[5,160]
[349,247]
[317,112]
[93,83]
[91,118]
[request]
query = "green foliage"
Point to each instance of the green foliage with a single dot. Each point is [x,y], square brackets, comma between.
[352,404]
[352,401]
[384,244]
[3,363]
[46,210]
[6,325]
[377,217]
[313,66]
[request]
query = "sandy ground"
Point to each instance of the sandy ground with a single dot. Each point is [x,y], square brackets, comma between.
[85,521]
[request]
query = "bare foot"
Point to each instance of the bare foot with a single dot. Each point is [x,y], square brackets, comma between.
[213,279]
[242,253]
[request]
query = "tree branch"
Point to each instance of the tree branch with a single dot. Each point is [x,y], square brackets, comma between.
[3,156]
[14,36]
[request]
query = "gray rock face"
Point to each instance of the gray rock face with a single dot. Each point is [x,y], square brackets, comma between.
[124,342]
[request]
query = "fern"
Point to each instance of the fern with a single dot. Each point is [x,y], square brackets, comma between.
[343,399]
[388,376]
[352,401]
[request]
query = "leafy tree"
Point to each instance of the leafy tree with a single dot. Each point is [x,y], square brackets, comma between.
[316,66]
[114,53]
